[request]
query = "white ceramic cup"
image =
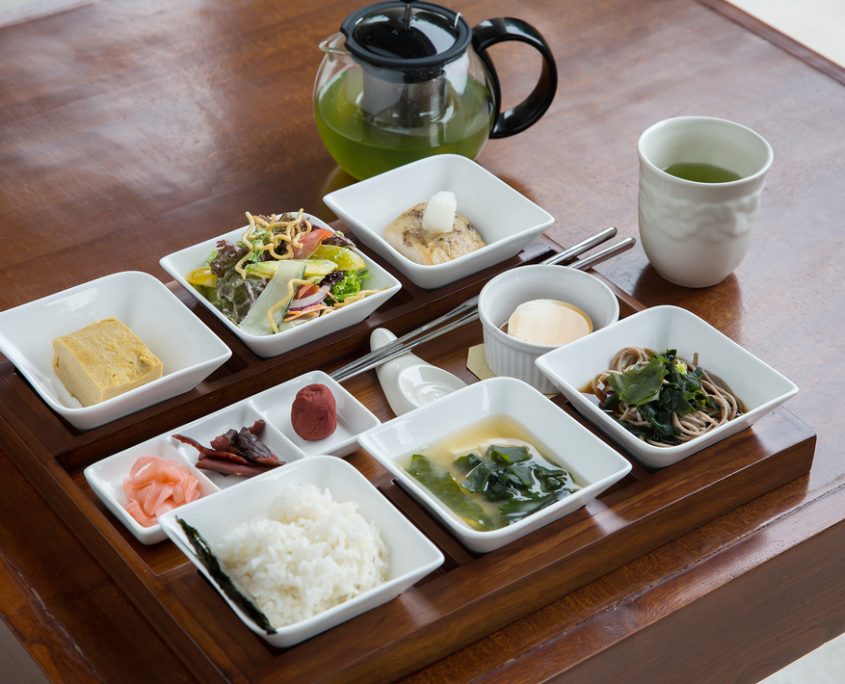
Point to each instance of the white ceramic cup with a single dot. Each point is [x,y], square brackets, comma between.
[695,234]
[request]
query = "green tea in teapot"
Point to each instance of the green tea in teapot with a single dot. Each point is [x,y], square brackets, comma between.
[405,80]
[364,145]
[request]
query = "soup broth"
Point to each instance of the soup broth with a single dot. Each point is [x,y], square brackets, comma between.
[492,474]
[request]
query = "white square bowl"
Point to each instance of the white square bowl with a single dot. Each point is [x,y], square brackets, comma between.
[412,555]
[353,417]
[505,218]
[759,386]
[189,351]
[106,479]
[593,464]
[179,264]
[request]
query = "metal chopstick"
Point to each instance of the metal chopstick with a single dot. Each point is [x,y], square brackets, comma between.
[470,304]
[346,372]
[372,360]
[604,254]
[581,247]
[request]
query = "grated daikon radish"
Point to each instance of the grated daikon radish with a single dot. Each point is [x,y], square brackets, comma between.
[439,215]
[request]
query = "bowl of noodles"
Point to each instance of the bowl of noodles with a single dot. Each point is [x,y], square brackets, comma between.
[665,384]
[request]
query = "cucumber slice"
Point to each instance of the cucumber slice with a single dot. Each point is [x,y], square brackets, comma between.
[255,321]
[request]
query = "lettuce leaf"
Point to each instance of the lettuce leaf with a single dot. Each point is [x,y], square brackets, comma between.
[351,283]
[234,296]
[639,386]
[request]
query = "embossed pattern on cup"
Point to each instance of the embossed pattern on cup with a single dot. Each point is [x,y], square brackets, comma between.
[695,234]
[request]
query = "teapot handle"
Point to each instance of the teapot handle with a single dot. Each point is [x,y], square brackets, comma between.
[526,113]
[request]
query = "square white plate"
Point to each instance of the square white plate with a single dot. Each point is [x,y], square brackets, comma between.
[412,555]
[189,351]
[560,438]
[179,264]
[759,386]
[506,219]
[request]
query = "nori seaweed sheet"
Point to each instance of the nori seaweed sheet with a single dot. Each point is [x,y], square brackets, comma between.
[208,559]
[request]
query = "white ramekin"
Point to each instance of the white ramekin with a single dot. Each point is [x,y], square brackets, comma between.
[508,356]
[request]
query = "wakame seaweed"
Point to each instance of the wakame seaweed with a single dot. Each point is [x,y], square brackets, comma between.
[210,562]
[440,482]
[663,386]
[505,476]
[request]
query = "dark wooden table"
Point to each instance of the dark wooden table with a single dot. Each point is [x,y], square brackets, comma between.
[130,129]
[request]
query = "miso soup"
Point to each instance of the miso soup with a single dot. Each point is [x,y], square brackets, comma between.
[493,474]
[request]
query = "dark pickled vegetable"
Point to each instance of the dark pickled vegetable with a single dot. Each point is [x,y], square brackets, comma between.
[235,452]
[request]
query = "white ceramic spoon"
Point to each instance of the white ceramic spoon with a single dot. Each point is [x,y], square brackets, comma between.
[409,382]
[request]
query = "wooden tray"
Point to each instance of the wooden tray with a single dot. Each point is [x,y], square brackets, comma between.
[467,598]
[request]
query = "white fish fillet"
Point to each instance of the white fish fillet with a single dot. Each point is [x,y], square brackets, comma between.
[407,235]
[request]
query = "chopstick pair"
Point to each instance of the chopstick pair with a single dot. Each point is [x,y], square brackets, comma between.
[467,311]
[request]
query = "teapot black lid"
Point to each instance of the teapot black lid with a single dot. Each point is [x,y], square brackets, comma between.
[412,39]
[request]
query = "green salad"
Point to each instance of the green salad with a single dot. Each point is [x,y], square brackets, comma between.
[283,271]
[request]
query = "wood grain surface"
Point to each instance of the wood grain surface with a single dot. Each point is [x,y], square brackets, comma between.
[465,599]
[128,130]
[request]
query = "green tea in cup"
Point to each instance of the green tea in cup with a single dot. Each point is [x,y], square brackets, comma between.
[701,173]
[701,179]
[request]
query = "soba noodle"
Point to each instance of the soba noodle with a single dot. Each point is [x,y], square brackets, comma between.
[721,404]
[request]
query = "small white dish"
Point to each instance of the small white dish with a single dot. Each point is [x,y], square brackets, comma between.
[241,414]
[189,351]
[593,464]
[353,417]
[759,386]
[106,479]
[407,381]
[106,476]
[508,356]
[179,264]
[412,555]
[272,406]
[505,218]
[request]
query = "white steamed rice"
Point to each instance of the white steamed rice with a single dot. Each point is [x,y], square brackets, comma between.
[307,554]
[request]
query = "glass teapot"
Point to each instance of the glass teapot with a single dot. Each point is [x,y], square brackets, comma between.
[405,80]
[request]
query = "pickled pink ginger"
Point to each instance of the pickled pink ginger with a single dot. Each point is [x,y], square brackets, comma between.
[155,486]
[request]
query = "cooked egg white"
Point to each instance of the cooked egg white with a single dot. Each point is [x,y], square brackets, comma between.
[549,322]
